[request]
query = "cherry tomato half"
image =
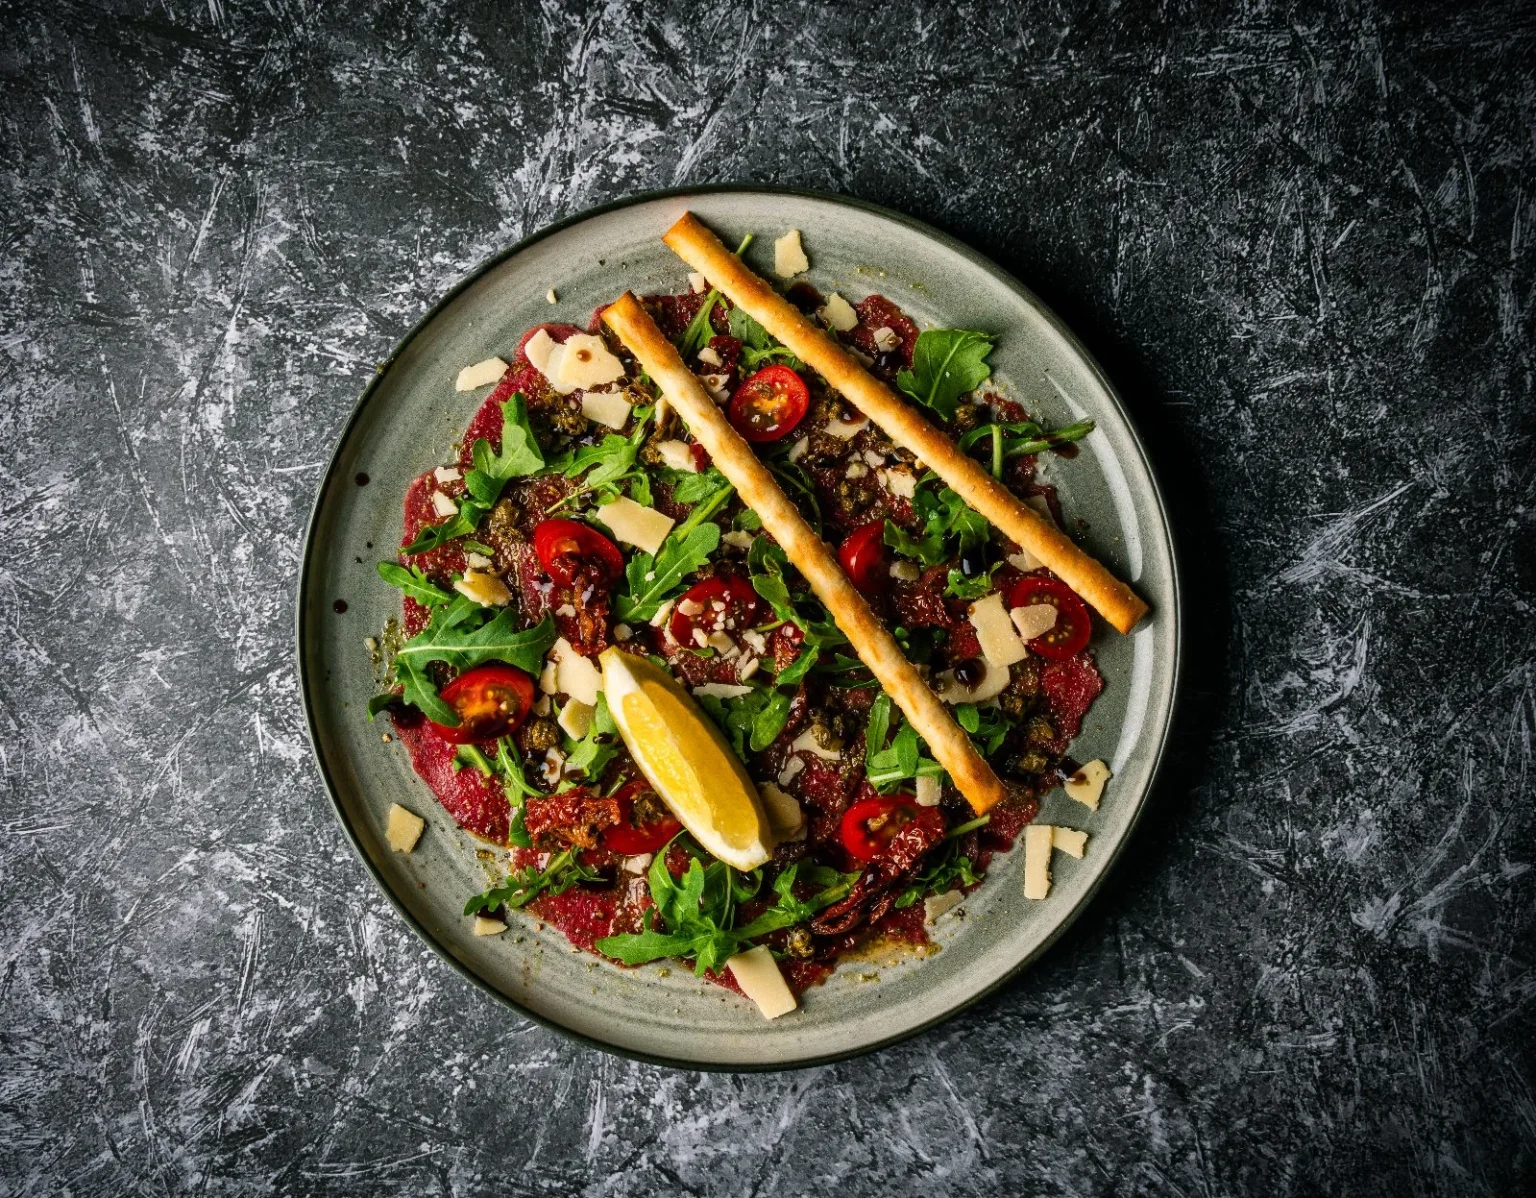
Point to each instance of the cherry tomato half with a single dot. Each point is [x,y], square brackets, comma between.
[1073,626]
[871,824]
[724,603]
[491,700]
[567,548]
[633,839]
[769,404]
[862,555]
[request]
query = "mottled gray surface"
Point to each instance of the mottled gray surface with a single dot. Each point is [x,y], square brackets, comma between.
[1303,245]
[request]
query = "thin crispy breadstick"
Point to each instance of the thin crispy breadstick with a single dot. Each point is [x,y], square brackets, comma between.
[1105,593]
[810,554]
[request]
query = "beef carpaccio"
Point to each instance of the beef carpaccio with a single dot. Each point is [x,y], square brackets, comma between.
[517,572]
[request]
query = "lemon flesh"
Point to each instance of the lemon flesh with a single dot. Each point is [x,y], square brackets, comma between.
[683,755]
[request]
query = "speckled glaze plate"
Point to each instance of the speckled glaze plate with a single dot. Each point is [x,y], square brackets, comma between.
[406,422]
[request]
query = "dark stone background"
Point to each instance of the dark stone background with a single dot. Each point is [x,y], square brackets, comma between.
[1302,241]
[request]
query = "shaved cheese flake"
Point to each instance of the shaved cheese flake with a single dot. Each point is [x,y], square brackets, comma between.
[404,828]
[1037,861]
[677,455]
[905,571]
[576,718]
[446,475]
[698,282]
[481,374]
[901,483]
[886,339]
[738,539]
[1041,505]
[1024,561]
[709,357]
[936,905]
[484,587]
[1000,644]
[721,690]
[789,257]
[608,408]
[757,973]
[839,313]
[547,682]
[791,767]
[749,667]
[798,449]
[478,561]
[992,684]
[927,790]
[550,297]
[1034,619]
[488,927]
[785,816]
[444,506]
[538,350]
[574,674]
[586,361]
[846,430]
[1087,785]
[806,742]
[643,527]
[1070,841]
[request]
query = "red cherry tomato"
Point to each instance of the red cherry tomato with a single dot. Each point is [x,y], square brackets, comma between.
[871,824]
[630,839]
[769,404]
[724,603]
[1073,626]
[862,555]
[567,548]
[491,700]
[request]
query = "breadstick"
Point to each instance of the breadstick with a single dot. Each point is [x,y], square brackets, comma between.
[812,557]
[1105,593]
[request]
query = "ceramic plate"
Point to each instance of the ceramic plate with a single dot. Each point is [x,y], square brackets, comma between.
[409,417]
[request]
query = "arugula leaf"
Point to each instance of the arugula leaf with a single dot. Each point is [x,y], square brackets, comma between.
[795,671]
[521,888]
[751,721]
[988,728]
[1026,437]
[757,344]
[415,583]
[698,912]
[381,703]
[640,489]
[886,768]
[946,363]
[961,587]
[928,550]
[946,870]
[460,635]
[699,331]
[695,488]
[951,527]
[435,536]
[597,748]
[608,461]
[519,456]
[649,581]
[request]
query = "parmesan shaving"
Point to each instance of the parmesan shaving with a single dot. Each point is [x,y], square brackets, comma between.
[1037,860]
[839,313]
[643,527]
[789,257]
[1087,785]
[404,829]
[1000,644]
[481,374]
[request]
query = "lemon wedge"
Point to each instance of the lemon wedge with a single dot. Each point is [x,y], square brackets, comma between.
[682,754]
